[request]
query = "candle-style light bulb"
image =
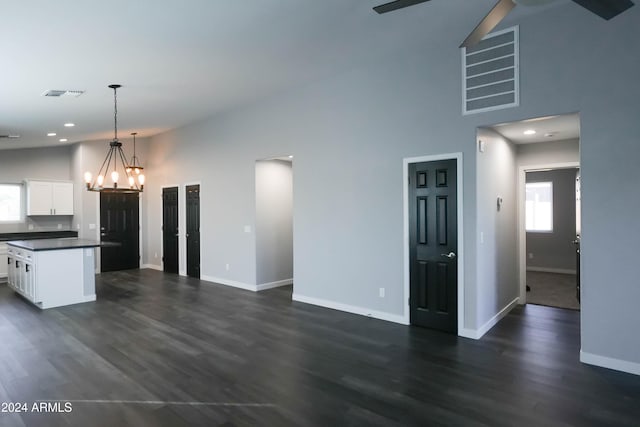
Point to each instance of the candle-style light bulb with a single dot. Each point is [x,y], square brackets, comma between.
[131,181]
[114,176]
[100,180]
[141,179]
[87,177]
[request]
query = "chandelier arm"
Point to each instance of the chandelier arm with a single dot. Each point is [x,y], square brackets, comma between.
[124,163]
[95,180]
[106,171]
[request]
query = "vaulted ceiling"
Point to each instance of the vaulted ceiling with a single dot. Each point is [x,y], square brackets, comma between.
[180,61]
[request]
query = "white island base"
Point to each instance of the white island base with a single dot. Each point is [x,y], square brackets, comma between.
[52,277]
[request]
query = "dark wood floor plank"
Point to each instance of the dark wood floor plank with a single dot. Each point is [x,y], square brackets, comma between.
[171,351]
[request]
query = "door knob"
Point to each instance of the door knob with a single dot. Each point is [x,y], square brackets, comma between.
[450,255]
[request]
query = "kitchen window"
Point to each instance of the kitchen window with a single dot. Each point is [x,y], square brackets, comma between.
[10,202]
[539,207]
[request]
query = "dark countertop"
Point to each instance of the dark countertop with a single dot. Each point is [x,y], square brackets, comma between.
[54,244]
[31,235]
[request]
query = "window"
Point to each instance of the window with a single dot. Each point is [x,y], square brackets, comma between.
[10,203]
[539,206]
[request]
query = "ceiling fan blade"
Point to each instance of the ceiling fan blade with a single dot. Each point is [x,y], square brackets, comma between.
[395,5]
[497,14]
[605,9]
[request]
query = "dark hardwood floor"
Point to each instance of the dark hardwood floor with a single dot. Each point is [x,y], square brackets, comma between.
[163,350]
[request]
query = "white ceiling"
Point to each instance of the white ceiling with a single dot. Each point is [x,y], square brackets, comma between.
[552,128]
[180,61]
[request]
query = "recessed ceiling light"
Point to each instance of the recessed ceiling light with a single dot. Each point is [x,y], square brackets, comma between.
[291,157]
[51,134]
[63,139]
[529,132]
[69,125]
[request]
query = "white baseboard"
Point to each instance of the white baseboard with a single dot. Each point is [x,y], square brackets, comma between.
[610,363]
[476,334]
[152,267]
[231,283]
[271,285]
[551,270]
[395,318]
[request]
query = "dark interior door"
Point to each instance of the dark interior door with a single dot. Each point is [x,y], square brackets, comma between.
[119,224]
[193,231]
[433,247]
[170,229]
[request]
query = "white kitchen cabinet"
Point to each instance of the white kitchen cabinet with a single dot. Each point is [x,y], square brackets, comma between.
[52,272]
[3,261]
[48,198]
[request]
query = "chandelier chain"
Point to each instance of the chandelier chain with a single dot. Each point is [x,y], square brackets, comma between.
[115,112]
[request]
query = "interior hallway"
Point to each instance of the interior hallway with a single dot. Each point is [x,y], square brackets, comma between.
[552,289]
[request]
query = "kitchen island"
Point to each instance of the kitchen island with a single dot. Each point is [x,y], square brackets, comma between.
[53,272]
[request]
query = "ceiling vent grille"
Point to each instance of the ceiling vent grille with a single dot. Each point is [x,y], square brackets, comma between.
[490,73]
[59,93]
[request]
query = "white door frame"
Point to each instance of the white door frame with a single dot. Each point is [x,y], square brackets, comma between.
[405,194]
[522,234]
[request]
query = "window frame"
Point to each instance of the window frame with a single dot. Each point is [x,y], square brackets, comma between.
[21,204]
[542,231]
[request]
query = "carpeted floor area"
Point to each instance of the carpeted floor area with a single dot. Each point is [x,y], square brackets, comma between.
[552,289]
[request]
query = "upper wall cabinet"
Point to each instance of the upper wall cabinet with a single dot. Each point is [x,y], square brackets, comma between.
[49,198]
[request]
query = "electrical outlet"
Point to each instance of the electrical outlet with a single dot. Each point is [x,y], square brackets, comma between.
[530,255]
[226,266]
[155,255]
[30,226]
[381,292]
[92,226]
[247,229]
[59,226]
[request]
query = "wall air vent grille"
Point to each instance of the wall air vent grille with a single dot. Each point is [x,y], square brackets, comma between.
[59,93]
[490,73]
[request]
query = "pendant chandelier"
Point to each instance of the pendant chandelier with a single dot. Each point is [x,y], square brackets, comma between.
[114,164]
[134,164]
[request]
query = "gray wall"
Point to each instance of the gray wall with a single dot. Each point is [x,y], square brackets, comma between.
[350,133]
[52,163]
[274,221]
[555,250]
[544,153]
[497,228]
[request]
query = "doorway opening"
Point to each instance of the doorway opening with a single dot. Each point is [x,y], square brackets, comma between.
[547,156]
[274,223]
[552,237]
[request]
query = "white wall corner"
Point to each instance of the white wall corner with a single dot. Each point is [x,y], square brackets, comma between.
[381,315]
[271,285]
[152,267]
[232,283]
[610,363]
[476,334]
